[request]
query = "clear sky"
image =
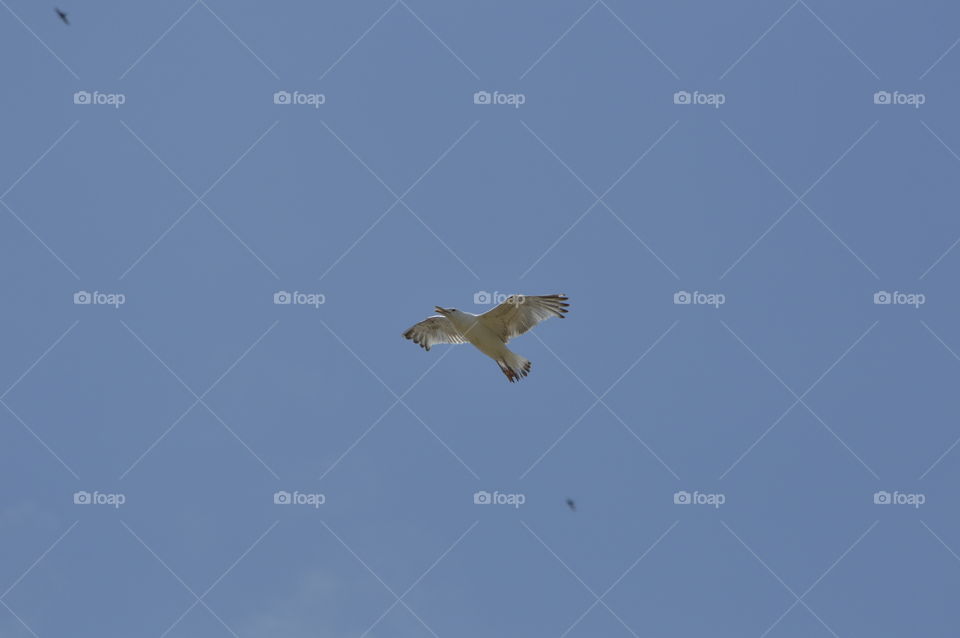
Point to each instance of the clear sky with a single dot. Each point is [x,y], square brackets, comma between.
[169,167]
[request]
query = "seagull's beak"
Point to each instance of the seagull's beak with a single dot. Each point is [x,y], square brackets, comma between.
[442,311]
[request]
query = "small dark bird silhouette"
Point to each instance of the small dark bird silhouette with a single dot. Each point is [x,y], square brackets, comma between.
[63,16]
[571,505]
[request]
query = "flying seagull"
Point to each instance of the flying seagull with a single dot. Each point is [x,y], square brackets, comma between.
[571,505]
[491,331]
[63,16]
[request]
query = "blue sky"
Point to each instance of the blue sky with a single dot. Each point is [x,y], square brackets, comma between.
[774,458]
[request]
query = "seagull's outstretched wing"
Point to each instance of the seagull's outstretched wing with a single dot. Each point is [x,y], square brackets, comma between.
[434,330]
[519,313]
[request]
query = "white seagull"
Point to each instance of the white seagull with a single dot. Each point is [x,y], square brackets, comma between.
[491,331]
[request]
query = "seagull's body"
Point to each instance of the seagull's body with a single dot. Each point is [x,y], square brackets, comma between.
[490,331]
[62,16]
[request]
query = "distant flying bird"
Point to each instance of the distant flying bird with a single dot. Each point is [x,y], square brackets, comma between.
[491,331]
[63,16]
[571,505]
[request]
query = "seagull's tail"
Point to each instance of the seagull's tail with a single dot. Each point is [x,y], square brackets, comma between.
[514,366]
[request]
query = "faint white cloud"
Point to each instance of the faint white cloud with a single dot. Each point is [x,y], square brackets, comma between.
[318,606]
